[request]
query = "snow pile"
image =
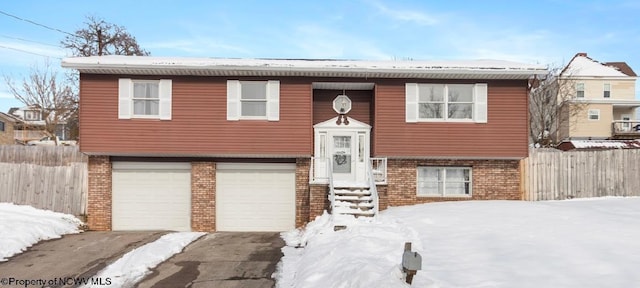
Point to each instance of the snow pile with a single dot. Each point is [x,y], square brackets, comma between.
[363,255]
[134,265]
[571,243]
[22,226]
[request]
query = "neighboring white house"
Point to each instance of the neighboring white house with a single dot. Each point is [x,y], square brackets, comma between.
[32,124]
[609,92]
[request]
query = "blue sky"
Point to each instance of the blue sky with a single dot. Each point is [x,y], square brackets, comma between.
[544,32]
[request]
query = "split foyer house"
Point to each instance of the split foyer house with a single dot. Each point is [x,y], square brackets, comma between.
[267,145]
[605,94]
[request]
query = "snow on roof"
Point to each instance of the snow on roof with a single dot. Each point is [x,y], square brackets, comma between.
[581,65]
[606,144]
[117,63]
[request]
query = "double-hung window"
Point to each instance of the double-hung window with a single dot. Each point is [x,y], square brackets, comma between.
[579,90]
[606,90]
[149,99]
[253,100]
[444,181]
[446,102]
[146,98]
[594,114]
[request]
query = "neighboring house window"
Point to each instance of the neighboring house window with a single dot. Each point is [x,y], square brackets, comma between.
[444,181]
[580,90]
[144,99]
[594,114]
[446,102]
[1,126]
[31,115]
[607,90]
[257,100]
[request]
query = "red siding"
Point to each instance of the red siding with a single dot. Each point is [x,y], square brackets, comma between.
[323,105]
[504,136]
[198,124]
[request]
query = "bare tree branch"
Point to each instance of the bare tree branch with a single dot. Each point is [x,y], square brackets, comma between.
[45,91]
[102,38]
[552,105]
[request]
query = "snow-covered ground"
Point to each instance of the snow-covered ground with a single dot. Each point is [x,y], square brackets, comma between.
[22,226]
[573,243]
[137,263]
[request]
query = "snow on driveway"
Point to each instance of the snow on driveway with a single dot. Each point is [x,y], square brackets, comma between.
[133,266]
[573,243]
[22,226]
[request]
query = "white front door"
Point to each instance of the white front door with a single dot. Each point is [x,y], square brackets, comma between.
[343,150]
[343,156]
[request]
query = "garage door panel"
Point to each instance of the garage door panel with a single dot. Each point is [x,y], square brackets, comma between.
[145,198]
[249,199]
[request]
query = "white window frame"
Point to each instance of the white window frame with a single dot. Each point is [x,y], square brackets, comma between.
[580,88]
[32,115]
[133,99]
[265,101]
[478,103]
[234,101]
[444,181]
[606,90]
[593,112]
[125,99]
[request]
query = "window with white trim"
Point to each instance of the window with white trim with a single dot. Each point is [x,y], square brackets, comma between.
[444,181]
[139,98]
[446,102]
[594,114]
[257,100]
[606,90]
[253,99]
[32,115]
[579,90]
[146,98]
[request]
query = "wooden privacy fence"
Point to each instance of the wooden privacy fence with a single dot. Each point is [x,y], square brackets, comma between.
[52,178]
[560,175]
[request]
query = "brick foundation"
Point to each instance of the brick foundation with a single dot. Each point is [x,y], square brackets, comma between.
[319,200]
[492,180]
[99,193]
[302,191]
[203,196]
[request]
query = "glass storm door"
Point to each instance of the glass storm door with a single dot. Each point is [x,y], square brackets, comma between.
[342,159]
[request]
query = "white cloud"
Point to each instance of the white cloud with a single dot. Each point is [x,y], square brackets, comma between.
[406,15]
[19,57]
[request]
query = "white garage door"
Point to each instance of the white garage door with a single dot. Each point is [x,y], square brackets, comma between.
[151,196]
[255,196]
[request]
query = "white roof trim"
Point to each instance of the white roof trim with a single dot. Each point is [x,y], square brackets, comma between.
[477,69]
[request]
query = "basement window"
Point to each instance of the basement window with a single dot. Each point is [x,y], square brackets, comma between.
[444,181]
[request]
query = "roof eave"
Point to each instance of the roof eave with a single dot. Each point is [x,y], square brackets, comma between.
[486,73]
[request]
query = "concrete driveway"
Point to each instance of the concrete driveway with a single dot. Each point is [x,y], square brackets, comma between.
[221,260]
[76,255]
